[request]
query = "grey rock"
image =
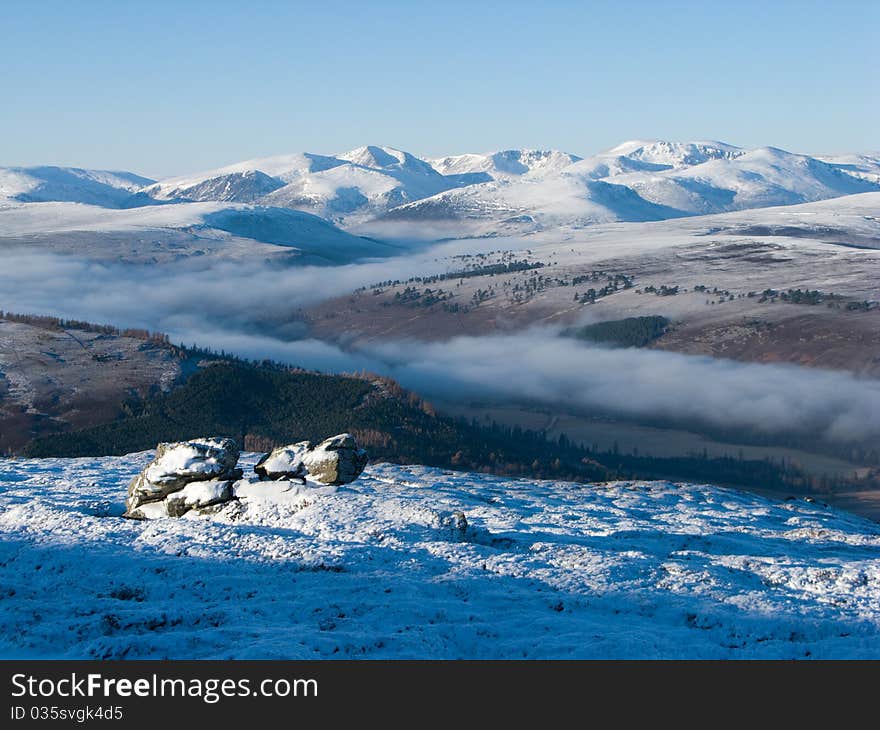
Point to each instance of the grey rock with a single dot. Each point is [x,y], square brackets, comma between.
[197,496]
[455,521]
[177,465]
[285,462]
[336,460]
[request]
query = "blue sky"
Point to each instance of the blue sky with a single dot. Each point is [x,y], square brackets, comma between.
[169,87]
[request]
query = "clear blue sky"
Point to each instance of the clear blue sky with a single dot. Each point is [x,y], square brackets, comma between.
[170,87]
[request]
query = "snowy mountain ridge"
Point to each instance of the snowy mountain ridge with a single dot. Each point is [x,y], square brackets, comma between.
[640,182]
[384,192]
[365,180]
[505,163]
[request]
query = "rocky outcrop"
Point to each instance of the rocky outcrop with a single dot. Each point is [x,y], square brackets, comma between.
[336,460]
[201,476]
[184,475]
[285,462]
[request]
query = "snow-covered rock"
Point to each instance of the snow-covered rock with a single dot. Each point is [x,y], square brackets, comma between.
[456,523]
[279,492]
[178,465]
[197,497]
[285,462]
[336,460]
[189,461]
[201,475]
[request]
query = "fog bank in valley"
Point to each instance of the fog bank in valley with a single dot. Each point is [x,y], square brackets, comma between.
[251,310]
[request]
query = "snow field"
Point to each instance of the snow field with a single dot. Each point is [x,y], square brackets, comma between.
[376,570]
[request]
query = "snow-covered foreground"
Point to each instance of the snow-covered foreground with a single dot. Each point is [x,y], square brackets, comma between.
[378,569]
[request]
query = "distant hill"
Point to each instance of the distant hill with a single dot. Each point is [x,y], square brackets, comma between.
[106,188]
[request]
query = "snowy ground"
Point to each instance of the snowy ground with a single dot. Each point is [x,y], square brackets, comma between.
[544,570]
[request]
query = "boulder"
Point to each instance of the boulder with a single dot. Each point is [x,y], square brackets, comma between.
[195,497]
[178,465]
[285,462]
[198,495]
[454,525]
[455,521]
[336,460]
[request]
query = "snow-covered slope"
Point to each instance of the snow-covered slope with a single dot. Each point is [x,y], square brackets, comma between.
[505,163]
[242,187]
[370,181]
[310,235]
[377,570]
[95,187]
[866,167]
[521,206]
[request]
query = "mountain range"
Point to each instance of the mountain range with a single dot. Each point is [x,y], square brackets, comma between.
[386,193]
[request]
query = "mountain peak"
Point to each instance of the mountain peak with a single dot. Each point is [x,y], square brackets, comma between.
[675,154]
[375,156]
[505,163]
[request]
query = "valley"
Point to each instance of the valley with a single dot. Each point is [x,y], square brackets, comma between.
[378,260]
[726,294]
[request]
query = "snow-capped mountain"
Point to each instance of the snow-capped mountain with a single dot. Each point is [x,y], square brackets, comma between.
[377,569]
[106,188]
[504,164]
[756,179]
[636,181]
[386,192]
[360,183]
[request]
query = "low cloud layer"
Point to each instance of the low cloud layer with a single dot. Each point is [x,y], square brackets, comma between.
[184,295]
[249,309]
[540,367]
[644,384]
